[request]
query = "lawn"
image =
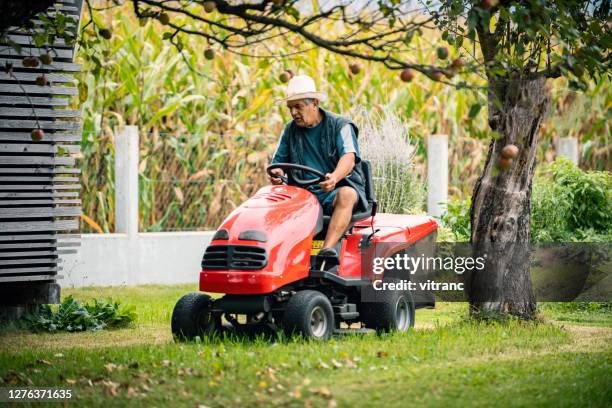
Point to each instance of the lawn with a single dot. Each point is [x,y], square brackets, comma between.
[444,361]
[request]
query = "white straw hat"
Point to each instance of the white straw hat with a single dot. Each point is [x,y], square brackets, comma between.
[301,87]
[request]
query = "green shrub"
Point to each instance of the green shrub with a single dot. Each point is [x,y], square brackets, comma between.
[589,194]
[72,316]
[567,205]
[457,219]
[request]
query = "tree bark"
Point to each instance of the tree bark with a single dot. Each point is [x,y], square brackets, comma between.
[501,203]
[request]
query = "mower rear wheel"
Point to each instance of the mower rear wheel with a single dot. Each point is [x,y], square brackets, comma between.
[192,317]
[392,311]
[310,314]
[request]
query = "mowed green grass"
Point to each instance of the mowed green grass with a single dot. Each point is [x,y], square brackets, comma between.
[444,361]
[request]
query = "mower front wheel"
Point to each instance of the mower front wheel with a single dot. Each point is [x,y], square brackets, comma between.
[193,318]
[310,314]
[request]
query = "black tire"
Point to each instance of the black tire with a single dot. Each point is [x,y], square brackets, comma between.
[309,313]
[192,317]
[393,310]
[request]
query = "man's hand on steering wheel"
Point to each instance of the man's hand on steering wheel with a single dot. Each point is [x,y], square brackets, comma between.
[329,183]
[291,177]
[276,180]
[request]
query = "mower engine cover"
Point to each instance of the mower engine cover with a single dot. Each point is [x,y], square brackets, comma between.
[264,244]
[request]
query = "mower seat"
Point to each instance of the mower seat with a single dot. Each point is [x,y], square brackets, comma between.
[366,172]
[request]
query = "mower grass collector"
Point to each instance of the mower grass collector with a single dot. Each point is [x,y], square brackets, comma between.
[264,259]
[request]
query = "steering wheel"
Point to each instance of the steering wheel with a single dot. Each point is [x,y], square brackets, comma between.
[289,169]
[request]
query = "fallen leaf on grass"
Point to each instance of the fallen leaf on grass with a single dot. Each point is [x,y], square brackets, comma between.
[295,394]
[350,363]
[382,354]
[111,388]
[323,391]
[322,364]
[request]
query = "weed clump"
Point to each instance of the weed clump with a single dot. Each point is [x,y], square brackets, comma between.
[73,316]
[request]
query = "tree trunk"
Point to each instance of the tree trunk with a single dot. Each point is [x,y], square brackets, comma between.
[501,203]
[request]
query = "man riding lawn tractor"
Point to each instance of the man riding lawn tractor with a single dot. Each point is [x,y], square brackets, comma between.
[328,143]
[298,256]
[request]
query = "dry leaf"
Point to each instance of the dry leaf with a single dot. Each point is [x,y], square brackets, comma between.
[324,392]
[179,195]
[295,394]
[323,365]
[142,166]
[200,174]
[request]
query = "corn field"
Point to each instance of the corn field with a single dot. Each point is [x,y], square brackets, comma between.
[209,127]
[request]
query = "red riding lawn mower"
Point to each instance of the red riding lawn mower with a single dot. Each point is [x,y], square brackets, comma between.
[264,259]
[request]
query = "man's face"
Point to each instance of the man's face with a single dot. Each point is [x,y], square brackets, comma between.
[305,115]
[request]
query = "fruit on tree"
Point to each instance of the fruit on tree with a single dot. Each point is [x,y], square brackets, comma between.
[406,75]
[105,33]
[355,68]
[46,59]
[209,6]
[284,77]
[510,151]
[436,75]
[209,54]
[32,62]
[488,4]
[37,135]
[504,163]
[458,63]
[41,80]
[164,18]
[442,52]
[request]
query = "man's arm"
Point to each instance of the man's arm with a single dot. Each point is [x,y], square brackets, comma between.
[343,169]
[281,155]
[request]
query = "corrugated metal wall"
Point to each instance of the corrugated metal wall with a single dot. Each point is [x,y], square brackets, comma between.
[39,183]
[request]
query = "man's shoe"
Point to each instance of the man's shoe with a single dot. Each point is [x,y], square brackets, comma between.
[328,252]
